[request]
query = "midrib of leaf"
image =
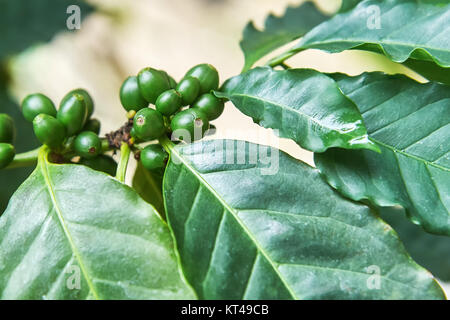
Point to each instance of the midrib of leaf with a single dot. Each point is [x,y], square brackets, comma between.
[167,144]
[45,173]
[330,268]
[406,184]
[173,151]
[380,43]
[402,152]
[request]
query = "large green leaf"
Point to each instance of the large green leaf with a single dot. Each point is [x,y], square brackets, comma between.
[251,222]
[24,23]
[149,186]
[410,122]
[279,31]
[67,221]
[429,70]
[302,104]
[404,31]
[429,250]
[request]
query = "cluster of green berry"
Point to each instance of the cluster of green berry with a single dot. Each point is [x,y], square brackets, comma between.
[7,135]
[187,106]
[73,136]
[70,131]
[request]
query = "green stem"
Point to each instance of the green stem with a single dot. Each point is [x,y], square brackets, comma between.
[123,162]
[279,60]
[166,143]
[105,145]
[284,66]
[25,159]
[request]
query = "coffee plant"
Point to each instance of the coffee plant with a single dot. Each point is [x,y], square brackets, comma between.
[228,219]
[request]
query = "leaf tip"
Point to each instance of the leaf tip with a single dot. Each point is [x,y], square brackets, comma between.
[364,142]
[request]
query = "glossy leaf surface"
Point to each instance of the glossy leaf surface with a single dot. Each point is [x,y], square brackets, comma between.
[262,225]
[429,250]
[70,232]
[149,186]
[410,122]
[403,30]
[279,31]
[302,104]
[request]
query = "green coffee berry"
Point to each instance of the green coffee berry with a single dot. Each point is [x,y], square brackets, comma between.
[171,80]
[152,83]
[193,121]
[101,163]
[148,124]
[207,75]
[35,104]
[210,105]
[87,100]
[168,102]
[87,145]
[130,95]
[73,113]
[92,125]
[189,88]
[49,130]
[153,157]
[7,128]
[7,153]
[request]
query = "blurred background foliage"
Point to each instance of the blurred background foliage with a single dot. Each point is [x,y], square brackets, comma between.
[119,37]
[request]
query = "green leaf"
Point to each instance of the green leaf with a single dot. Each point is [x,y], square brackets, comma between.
[429,250]
[304,105]
[348,5]
[279,31]
[404,31]
[149,186]
[24,23]
[409,121]
[67,222]
[251,222]
[429,70]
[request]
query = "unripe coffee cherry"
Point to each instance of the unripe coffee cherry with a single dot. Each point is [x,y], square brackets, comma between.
[130,95]
[87,145]
[210,105]
[207,75]
[148,124]
[153,157]
[73,113]
[190,121]
[49,130]
[35,104]
[7,128]
[168,102]
[189,88]
[152,83]
[7,154]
